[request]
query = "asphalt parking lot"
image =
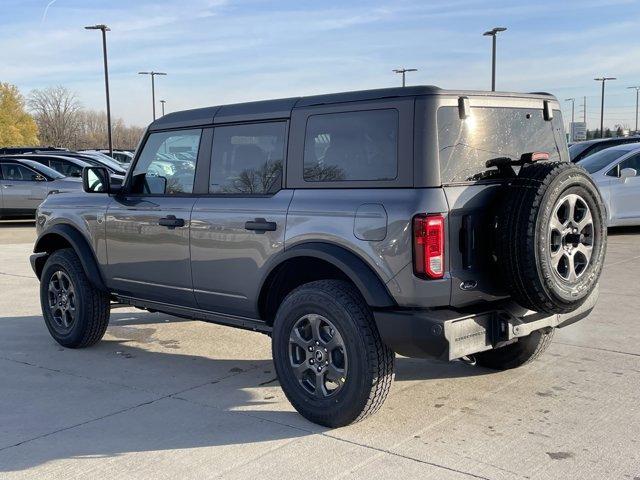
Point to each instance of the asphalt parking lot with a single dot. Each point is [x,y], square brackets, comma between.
[161,397]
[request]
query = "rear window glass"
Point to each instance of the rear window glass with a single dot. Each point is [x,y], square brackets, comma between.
[351,146]
[577,148]
[466,145]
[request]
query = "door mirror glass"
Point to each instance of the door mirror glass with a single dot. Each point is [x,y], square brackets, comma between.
[95,180]
[627,173]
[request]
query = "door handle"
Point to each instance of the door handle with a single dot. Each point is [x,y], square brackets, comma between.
[260,225]
[171,222]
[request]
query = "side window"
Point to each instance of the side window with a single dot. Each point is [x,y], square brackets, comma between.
[614,172]
[67,169]
[633,162]
[167,163]
[15,172]
[351,146]
[247,159]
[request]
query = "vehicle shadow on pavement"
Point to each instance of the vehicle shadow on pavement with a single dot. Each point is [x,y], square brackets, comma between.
[138,392]
[614,231]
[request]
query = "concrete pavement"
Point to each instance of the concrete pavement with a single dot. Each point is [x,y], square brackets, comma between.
[167,398]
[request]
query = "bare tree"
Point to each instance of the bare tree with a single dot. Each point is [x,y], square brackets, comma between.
[93,132]
[56,111]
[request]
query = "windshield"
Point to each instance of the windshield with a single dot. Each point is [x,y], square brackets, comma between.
[43,169]
[105,160]
[488,133]
[577,148]
[603,158]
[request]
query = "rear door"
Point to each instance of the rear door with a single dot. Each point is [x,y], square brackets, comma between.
[465,146]
[148,225]
[240,223]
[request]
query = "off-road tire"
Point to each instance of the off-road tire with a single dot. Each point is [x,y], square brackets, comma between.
[523,249]
[92,306]
[370,361]
[525,350]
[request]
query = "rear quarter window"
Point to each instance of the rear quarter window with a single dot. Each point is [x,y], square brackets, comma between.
[466,145]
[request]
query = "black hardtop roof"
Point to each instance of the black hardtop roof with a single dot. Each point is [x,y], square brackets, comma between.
[281,108]
[630,139]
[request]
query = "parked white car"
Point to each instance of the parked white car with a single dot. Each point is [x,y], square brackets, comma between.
[616,171]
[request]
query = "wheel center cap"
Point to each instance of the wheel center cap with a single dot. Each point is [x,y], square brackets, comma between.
[319,355]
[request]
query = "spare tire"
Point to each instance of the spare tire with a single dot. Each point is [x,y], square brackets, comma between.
[551,237]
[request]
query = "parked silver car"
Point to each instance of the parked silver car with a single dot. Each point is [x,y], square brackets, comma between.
[616,171]
[24,184]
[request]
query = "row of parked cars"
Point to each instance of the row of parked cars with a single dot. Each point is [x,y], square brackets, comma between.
[28,175]
[614,165]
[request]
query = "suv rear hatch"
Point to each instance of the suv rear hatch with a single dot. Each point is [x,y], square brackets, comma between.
[469,137]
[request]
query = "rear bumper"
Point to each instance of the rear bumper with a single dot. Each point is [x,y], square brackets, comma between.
[449,334]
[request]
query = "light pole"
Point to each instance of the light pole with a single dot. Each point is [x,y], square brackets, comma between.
[637,89]
[493,33]
[403,71]
[153,88]
[603,80]
[104,29]
[573,113]
[163,102]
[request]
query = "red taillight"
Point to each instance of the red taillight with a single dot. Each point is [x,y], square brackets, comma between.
[428,245]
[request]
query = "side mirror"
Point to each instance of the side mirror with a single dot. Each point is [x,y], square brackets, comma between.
[95,180]
[39,178]
[627,173]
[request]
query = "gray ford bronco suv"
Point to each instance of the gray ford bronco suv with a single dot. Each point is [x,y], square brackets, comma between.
[348,227]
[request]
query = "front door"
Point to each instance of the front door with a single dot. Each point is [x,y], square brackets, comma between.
[625,193]
[21,191]
[240,224]
[148,224]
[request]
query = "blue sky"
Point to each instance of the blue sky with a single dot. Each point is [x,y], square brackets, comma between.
[223,51]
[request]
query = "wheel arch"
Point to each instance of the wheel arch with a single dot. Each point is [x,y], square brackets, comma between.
[66,236]
[311,261]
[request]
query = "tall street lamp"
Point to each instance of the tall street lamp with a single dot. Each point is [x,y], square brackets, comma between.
[493,33]
[153,88]
[404,71]
[162,102]
[637,89]
[104,29]
[603,80]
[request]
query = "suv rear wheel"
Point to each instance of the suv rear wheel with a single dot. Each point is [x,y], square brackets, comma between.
[75,312]
[330,360]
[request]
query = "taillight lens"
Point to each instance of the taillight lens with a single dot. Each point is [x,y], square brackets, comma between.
[428,245]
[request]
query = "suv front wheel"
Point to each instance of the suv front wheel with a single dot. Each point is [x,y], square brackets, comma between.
[76,313]
[330,360]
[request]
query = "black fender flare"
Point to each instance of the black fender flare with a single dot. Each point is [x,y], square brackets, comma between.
[362,275]
[79,244]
